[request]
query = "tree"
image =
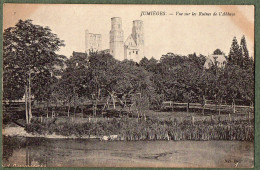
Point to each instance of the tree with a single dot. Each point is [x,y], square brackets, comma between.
[218,52]
[179,77]
[144,62]
[152,65]
[42,87]
[245,54]
[30,49]
[73,84]
[216,83]
[234,88]
[235,54]
[239,74]
[103,72]
[189,78]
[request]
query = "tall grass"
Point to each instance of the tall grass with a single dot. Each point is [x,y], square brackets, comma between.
[150,129]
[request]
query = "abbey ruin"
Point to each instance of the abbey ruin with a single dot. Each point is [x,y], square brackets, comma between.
[93,42]
[132,48]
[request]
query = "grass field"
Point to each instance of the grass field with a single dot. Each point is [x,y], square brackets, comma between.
[152,125]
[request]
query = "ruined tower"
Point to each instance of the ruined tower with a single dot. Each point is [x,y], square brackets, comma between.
[93,42]
[138,36]
[116,38]
[134,44]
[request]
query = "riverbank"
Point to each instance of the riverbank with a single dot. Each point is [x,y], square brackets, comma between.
[21,132]
[132,129]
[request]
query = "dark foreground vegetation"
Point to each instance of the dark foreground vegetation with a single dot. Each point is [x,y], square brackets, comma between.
[185,128]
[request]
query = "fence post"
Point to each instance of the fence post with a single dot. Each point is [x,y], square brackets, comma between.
[249,117]
[41,119]
[203,109]
[229,117]
[192,119]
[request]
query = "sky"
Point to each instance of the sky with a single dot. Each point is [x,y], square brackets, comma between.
[162,34]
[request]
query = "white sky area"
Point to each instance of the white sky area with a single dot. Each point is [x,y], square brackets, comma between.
[178,34]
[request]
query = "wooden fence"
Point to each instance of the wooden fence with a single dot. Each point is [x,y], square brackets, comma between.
[210,107]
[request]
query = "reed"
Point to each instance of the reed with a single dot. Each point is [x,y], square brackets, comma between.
[152,129]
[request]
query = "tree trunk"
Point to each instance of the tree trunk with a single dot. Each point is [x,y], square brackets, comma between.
[47,108]
[188,105]
[204,104]
[56,101]
[30,98]
[42,106]
[192,120]
[99,92]
[234,106]
[68,110]
[82,112]
[56,105]
[75,108]
[52,114]
[219,105]
[114,103]
[216,107]
[95,108]
[249,117]
[26,105]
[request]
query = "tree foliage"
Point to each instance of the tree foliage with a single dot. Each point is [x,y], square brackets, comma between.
[29,61]
[30,58]
[28,47]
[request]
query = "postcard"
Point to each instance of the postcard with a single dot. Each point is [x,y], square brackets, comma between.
[109,85]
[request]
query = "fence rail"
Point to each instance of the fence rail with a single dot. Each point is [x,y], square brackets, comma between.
[222,107]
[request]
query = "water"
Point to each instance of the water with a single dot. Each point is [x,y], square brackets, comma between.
[21,151]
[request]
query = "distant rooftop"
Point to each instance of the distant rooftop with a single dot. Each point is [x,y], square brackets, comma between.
[211,59]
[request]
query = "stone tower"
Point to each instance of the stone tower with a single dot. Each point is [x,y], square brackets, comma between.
[138,36]
[116,38]
[93,42]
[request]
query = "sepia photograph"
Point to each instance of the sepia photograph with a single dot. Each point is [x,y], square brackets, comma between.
[113,85]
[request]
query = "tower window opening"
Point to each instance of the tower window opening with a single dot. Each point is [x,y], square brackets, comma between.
[136,52]
[133,51]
